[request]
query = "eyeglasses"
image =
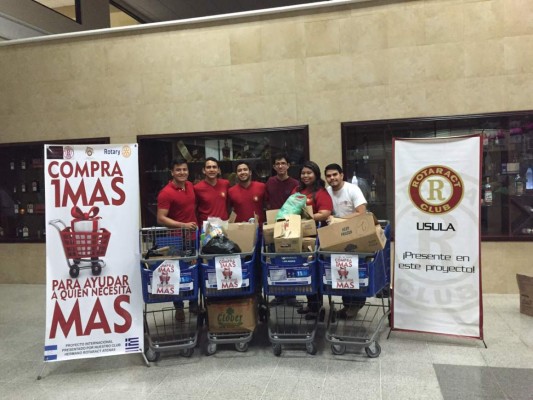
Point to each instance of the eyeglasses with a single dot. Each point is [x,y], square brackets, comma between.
[279,164]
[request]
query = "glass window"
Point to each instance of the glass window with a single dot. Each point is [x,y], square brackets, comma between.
[506,171]
[255,146]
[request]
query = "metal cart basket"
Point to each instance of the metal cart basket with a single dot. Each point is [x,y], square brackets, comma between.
[287,274]
[164,331]
[364,328]
[240,339]
[83,248]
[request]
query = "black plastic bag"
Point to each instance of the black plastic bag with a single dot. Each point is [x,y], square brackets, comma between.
[221,245]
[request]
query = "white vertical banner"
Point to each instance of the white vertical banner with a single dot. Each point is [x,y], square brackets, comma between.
[437,268]
[93,283]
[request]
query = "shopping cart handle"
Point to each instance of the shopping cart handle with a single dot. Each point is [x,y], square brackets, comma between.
[58,224]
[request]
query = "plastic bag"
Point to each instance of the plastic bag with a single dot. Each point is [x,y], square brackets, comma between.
[221,245]
[292,206]
[213,228]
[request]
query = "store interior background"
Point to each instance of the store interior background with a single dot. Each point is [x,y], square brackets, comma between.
[319,67]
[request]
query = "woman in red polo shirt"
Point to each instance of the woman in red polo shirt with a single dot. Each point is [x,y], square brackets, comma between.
[313,186]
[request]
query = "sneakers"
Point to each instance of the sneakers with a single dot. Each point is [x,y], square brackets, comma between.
[180,315]
[348,312]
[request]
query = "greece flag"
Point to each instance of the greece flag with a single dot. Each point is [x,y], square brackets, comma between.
[50,352]
[132,344]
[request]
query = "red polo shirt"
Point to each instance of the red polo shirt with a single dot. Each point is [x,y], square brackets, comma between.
[180,203]
[248,201]
[278,191]
[212,201]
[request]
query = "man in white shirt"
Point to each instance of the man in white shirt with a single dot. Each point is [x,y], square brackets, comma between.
[348,202]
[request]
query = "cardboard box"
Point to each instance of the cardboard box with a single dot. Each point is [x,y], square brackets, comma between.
[238,315]
[361,234]
[525,287]
[288,235]
[268,233]
[308,227]
[308,244]
[244,234]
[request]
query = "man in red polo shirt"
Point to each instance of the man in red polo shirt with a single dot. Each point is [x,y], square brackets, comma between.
[211,193]
[176,209]
[247,197]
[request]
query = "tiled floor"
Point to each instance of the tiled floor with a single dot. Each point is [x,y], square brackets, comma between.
[411,366]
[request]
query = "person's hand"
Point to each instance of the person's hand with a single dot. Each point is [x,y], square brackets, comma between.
[190,225]
[329,220]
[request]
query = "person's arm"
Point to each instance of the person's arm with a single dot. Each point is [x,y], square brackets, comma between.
[324,204]
[321,215]
[164,220]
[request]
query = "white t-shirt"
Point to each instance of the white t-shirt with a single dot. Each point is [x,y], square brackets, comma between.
[346,200]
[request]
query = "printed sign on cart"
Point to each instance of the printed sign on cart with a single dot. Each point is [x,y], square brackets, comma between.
[437,279]
[166,278]
[344,271]
[228,271]
[93,285]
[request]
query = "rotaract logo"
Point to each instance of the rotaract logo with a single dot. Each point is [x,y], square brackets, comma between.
[436,189]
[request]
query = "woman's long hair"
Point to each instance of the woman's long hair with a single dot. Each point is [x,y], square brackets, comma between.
[318,183]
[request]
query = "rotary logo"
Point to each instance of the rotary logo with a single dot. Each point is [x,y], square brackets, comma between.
[126,151]
[68,152]
[89,151]
[436,189]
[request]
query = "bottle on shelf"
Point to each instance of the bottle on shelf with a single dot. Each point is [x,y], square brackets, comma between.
[226,151]
[373,192]
[23,188]
[519,185]
[12,165]
[35,185]
[25,232]
[487,193]
[22,164]
[354,179]
[529,179]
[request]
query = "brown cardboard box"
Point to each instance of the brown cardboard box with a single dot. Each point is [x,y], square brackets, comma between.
[238,315]
[308,244]
[361,234]
[525,287]
[244,234]
[308,225]
[268,233]
[288,235]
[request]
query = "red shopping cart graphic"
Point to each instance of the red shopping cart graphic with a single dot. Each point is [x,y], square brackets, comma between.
[83,248]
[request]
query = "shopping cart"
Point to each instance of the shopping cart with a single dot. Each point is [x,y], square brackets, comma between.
[164,330]
[83,248]
[363,329]
[210,291]
[287,274]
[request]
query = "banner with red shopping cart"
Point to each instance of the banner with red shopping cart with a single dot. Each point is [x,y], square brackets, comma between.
[437,266]
[93,284]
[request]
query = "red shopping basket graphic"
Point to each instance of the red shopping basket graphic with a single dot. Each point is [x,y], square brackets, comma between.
[83,247]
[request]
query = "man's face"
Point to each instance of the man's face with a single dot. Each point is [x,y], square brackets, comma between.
[211,169]
[334,178]
[281,166]
[180,173]
[243,173]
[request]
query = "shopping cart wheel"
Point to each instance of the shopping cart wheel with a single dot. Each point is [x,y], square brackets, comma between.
[373,353]
[96,268]
[338,349]
[152,355]
[276,349]
[211,349]
[311,348]
[187,352]
[74,271]
[241,346]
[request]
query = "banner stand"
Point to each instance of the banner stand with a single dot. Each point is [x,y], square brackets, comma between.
[437,257]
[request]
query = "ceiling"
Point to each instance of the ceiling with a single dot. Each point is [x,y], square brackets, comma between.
[147,11]
[167,10]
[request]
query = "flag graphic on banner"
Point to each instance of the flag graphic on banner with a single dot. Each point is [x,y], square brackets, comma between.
[131,344]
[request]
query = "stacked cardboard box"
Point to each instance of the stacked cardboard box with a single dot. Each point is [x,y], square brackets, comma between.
[292,235]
